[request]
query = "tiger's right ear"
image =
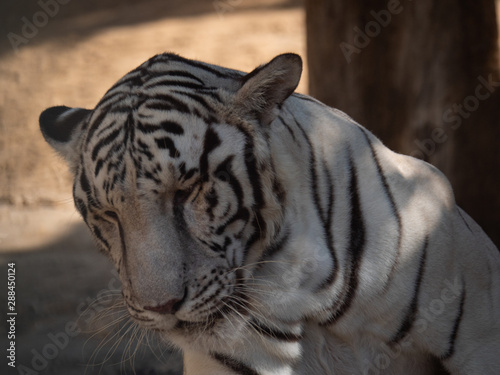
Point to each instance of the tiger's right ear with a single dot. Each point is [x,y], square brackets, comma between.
[63,127]
[264,90]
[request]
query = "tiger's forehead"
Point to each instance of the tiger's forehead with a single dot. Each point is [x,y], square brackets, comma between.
[145,152]
[156,153]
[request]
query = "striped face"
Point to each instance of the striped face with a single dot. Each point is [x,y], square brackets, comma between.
[174,179]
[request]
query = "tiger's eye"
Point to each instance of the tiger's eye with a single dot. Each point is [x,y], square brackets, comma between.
[181,196]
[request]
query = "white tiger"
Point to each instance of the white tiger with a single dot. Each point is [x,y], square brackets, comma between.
[264,233]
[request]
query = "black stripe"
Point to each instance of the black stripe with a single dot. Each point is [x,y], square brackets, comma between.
[134,78]
[118,150]
[209,307]
[326,224]
[118,108]
[278,189]
[199,99]
[167,143]
[390,197]
[222,73]
[212,141]
[275,246]
[288,128]
[211,92]
[150,176]
[104,129]
[147,128]
[212,199]
[189,174]
[242,214]
[182,73]
[97,233]
[143,148]
[172,127]
[356,245]
[164,102]
[255,235]
[108,101]
[94,125]
[182,169]
[454,333]
[223,169]
[167,125]
[134,309]
[463,218]
[104,142]
[274,333]
[84,183]
[251,167]
[253,173]
[98,166]
[168,81]
[254,178]
[411,314]
[114,166]
[214,280]
[80,206]
[224,173]
[238,367]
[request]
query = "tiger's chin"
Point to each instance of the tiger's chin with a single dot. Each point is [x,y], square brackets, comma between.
[216,331]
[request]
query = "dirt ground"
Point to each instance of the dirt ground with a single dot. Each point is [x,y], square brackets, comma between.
[65,322]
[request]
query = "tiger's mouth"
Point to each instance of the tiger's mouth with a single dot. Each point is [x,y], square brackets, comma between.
[158,319]
[169,324]
[229,308]
[219,309]
[209,322]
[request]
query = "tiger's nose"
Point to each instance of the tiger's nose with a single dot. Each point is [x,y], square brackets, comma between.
[170,307]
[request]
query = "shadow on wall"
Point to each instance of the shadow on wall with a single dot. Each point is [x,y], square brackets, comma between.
[25,21]
[70,319]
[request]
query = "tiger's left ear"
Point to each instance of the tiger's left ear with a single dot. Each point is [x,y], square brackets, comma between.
[63,127]
[266,88]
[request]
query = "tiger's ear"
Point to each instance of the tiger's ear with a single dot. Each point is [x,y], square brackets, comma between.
[266,88]
[62,127]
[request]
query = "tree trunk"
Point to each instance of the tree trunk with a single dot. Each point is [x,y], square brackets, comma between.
[423,76]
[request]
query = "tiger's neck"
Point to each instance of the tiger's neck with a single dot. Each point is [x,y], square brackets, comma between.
[300,264]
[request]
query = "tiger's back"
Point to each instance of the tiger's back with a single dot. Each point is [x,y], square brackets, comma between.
[265,233]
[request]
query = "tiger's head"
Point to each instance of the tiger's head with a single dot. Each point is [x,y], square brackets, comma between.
[174,177]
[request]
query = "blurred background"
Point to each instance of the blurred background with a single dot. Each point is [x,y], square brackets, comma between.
[422,75]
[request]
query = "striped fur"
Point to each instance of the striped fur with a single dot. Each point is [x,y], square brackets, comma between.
[264,233]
